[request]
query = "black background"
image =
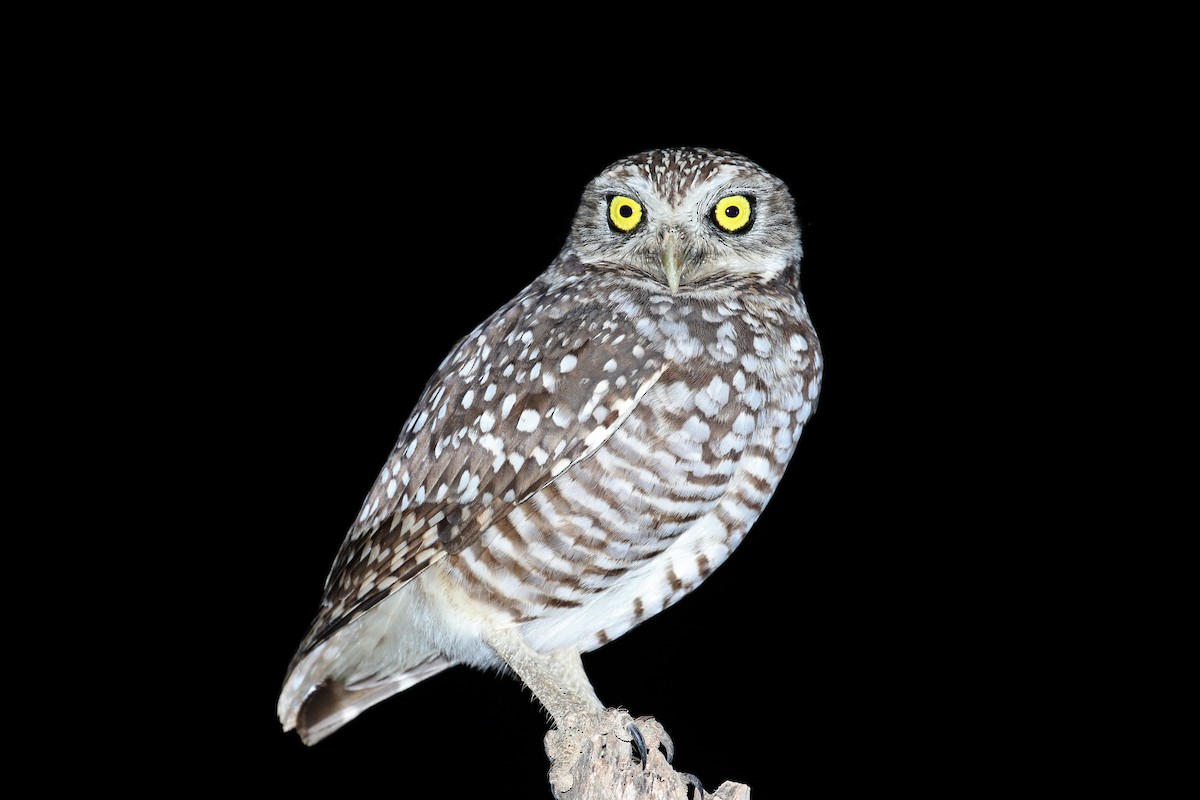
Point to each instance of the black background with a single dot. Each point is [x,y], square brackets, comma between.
[342,238]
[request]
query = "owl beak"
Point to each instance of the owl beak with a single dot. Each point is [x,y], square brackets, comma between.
[671,263]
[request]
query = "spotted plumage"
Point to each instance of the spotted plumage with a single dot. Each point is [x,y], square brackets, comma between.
[588,454]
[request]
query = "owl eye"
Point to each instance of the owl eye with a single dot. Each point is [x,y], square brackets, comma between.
[735,213]
[624,213]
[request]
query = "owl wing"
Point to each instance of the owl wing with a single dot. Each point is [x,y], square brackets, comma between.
[535,389]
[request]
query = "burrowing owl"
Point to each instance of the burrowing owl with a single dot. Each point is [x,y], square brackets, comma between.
[587,455]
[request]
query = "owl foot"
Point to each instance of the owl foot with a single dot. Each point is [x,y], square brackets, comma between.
[609,749]
[658,739]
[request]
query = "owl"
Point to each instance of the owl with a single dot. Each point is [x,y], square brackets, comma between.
[587,455]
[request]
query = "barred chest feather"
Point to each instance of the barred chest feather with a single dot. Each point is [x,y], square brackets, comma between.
[696,404]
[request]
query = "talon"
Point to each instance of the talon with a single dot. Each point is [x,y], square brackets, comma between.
[667,745]
[694,781]
[640,741]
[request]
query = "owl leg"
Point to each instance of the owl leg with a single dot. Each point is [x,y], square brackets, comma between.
[556,680]
[568,666]
[559,683]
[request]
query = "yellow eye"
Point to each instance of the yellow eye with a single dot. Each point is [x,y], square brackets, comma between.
[624,213]
[734,214]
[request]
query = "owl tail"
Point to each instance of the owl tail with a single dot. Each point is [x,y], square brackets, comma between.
[316,704]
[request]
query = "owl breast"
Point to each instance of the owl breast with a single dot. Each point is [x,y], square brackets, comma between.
[676,475]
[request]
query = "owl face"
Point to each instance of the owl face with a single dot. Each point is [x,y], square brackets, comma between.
[687,220]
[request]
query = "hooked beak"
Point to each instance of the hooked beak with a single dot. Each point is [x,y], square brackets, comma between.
[672,267]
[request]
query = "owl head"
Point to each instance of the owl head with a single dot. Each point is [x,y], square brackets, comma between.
[687,219]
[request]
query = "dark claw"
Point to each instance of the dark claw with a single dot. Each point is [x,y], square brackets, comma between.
[640,741]
[694,781]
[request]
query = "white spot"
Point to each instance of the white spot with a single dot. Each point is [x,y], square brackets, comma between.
[762,345]
[509,496]
[639,351]
[567,364]
[744,424]
[750,363]
[537,370]
[468,398]
[549,381]
[517,460]
[469,367]
[753,398]
[490,392]
[562,417]
[714,397]
[442,491]
[421,420]
[529,421]
[598,435]
[739,381]
[783,437]
[798,342]
[794,400]
[391,488]
[527,337]
[508,370]
[472,490]
[610,365]
[420,498]
[813,389]
[507,405]
[486,421]
[463,480]
[757,466]
[695,429]
[539,455]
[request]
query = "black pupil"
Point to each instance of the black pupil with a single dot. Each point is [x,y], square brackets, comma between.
[732,211]
[626,211]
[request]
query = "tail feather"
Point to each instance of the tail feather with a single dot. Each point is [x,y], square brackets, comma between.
[316,705]
[332,704]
